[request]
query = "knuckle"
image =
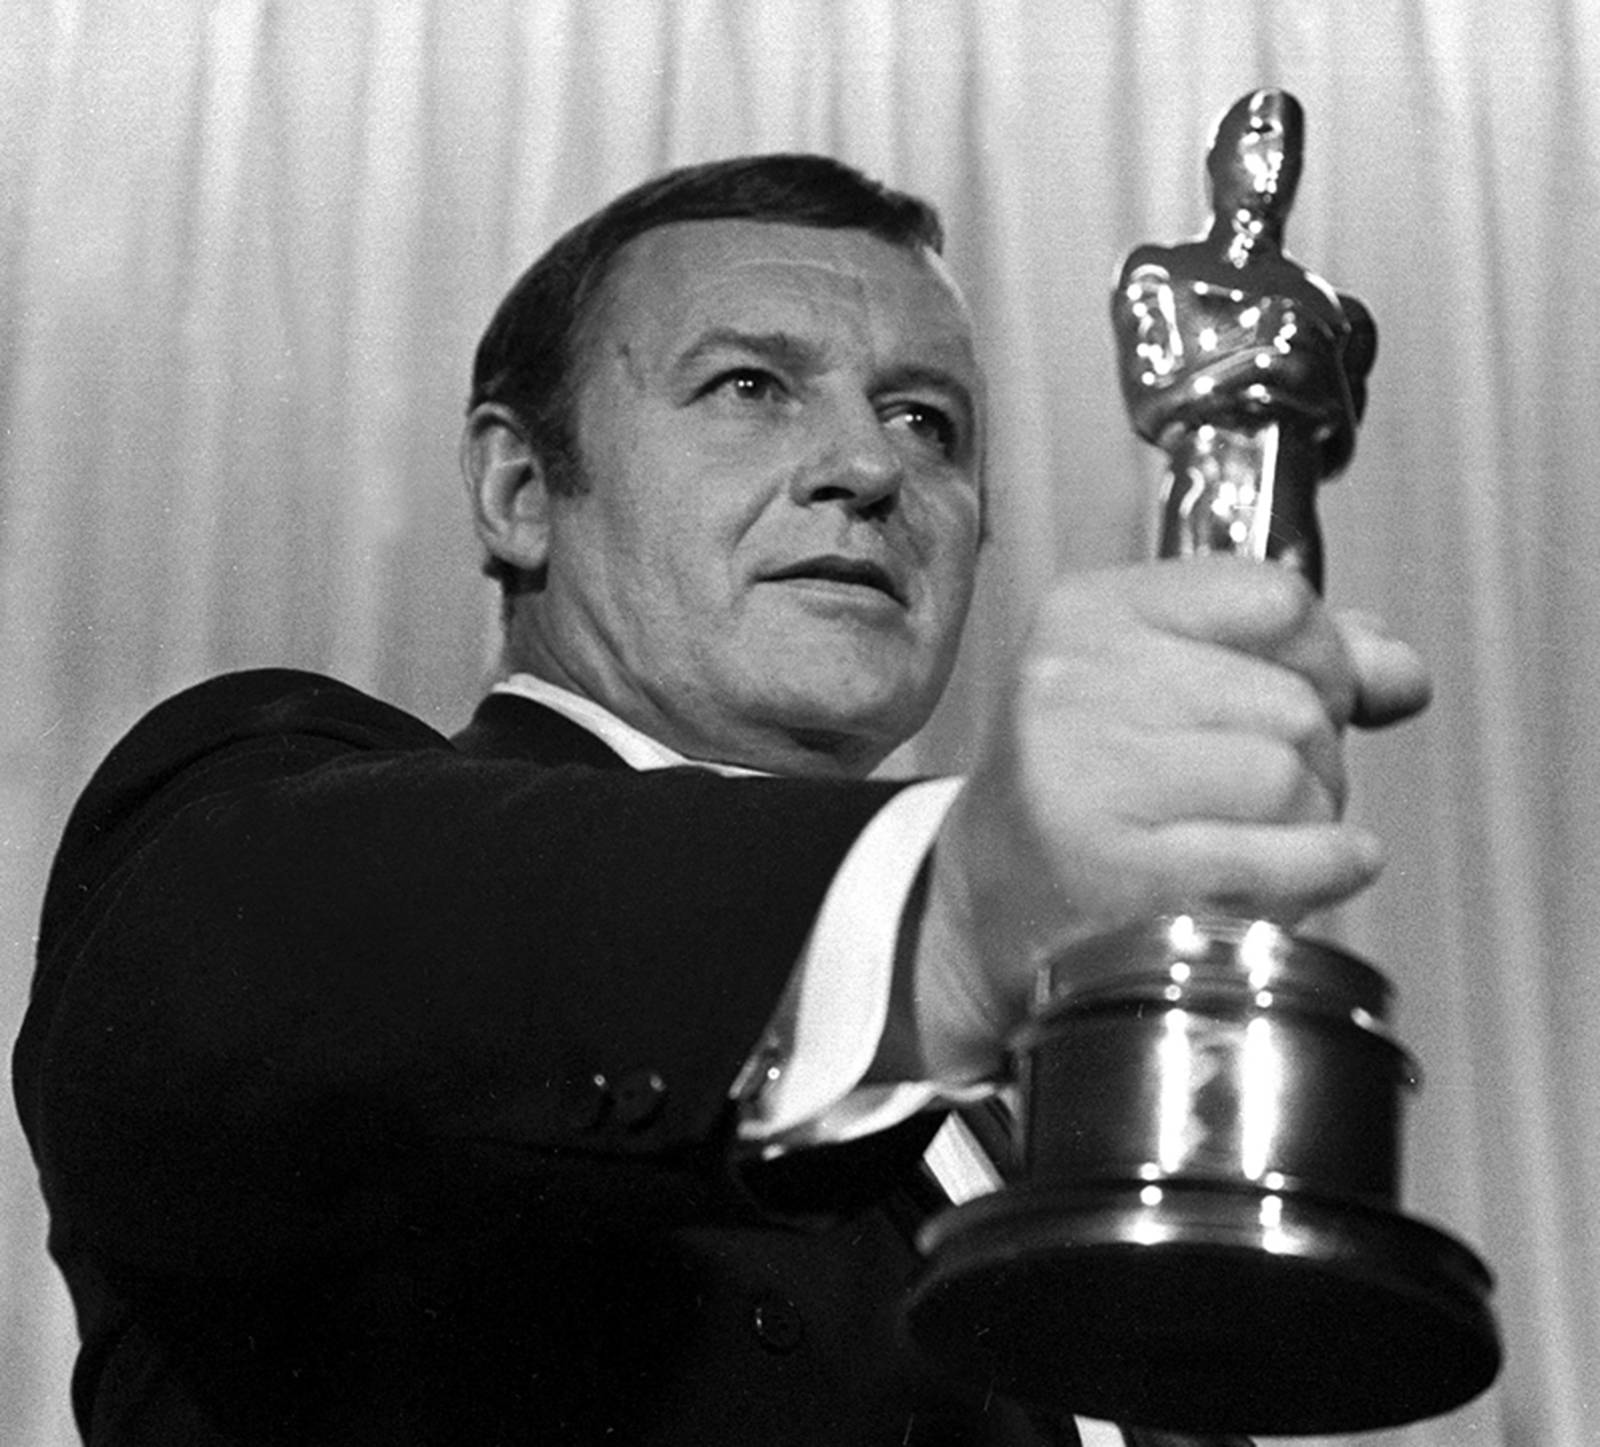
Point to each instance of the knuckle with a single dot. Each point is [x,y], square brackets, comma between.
[1282,780]
[1303,717]
[1284,601]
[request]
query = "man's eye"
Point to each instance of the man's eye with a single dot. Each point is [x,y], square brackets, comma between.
[930,424]
[747,384]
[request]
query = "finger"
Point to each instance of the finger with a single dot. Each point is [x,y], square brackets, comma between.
[1156,779]
[1261,706]
[1278,873]
[1394,681]
[1130,647]
[1140,713]
[1234,601]
[1270,613]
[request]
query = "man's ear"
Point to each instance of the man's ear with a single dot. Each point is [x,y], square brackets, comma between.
[506,484]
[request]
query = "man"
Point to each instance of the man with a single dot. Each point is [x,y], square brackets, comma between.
[568,1081]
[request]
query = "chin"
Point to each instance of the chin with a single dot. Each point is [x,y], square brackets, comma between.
[858,724]
[855,693]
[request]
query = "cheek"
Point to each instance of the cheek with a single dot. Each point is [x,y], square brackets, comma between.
[685,512]
[634,530]
[950,531]
[686,559]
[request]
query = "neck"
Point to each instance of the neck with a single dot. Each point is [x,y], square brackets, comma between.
[795,752]
[1243,236]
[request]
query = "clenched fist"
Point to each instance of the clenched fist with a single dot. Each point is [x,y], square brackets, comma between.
[1170,741]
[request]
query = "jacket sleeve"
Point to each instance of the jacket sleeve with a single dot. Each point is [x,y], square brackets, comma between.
[297,950]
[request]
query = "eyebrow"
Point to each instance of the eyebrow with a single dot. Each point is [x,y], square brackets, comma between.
[779,346]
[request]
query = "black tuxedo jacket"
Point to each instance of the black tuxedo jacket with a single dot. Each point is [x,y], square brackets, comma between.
[379,1084]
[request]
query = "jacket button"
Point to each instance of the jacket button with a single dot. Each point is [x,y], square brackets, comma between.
[584,1101]
[640,1097]
[778,1324]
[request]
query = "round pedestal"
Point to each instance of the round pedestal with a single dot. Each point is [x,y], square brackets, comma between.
[1206,1308]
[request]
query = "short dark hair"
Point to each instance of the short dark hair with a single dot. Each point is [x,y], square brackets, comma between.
[530,357]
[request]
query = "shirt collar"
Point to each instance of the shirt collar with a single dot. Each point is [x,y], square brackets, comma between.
[636,749]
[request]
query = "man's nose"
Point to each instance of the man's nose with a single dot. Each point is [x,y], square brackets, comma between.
[857,464]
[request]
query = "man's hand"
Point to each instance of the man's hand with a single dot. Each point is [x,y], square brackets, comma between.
[1171,741]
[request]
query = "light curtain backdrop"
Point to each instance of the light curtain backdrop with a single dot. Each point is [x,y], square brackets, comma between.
[246,249]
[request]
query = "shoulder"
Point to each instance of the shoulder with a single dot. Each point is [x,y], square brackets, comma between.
[263,721]
[272,702]
[233,728]
[1147,257]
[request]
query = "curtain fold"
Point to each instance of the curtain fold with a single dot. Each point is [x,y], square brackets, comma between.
[247,247]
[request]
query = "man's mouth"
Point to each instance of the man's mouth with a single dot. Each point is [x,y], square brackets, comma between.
[835,568]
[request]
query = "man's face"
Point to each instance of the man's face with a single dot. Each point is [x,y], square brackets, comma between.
[772,555]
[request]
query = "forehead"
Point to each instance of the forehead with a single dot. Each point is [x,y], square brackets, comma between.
[675,283]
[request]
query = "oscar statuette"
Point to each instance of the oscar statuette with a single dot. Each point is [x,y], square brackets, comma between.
[1206,1237]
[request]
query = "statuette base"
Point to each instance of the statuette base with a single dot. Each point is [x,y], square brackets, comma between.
[1206,1307]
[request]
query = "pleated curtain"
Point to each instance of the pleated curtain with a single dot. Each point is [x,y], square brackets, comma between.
[246,249]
